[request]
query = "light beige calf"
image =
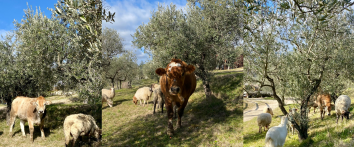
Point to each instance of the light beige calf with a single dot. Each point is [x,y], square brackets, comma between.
[78,125]
[27,109]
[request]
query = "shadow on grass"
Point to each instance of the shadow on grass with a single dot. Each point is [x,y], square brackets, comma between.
[36,133]
[254,136]
[115,103]
[150,130]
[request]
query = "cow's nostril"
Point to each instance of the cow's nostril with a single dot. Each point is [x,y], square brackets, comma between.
[177,89]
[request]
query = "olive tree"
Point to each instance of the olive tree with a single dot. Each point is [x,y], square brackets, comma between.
[295,47]
[206,29]
[84,19]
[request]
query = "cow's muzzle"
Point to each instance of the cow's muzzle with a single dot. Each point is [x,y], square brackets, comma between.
[40,111]
[175,90]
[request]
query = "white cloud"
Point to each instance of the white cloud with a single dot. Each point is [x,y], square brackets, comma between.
[130,14]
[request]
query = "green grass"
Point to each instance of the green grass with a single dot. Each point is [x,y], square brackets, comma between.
[53,128]
[216,121]
[324,133]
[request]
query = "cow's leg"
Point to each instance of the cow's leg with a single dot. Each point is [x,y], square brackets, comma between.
[321,111]
[22,124]
[12,122]
[170,117]
[337,118]
[154,106]
[180,114]
[41,126]
[31,128]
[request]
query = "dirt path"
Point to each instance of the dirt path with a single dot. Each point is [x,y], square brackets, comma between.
[260,104]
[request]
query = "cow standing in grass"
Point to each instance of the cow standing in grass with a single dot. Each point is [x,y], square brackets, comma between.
[27,109]
[178,82]
[324,103]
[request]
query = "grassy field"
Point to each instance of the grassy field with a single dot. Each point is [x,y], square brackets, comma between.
[53,128]
[324,133]
[206,122]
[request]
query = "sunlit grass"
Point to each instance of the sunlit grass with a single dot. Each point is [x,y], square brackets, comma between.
[53,126]
[324,133]
[216,121]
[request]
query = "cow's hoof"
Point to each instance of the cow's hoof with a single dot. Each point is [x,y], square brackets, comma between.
[178,126]
[43,138]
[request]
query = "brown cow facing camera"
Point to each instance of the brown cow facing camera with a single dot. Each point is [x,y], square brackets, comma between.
[178,82]
[27,109]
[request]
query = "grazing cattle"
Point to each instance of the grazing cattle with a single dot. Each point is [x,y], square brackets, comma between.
[324,103]
[27,109]
[178,83]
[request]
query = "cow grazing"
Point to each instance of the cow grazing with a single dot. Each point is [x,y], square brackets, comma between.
[324,103]
[178,83]
[27,109]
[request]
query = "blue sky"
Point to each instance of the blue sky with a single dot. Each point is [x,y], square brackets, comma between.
[129,15]
[132,13]
[11,10]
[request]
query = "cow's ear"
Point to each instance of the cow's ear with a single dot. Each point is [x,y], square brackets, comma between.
[48,102]
[190,68]
[160,71]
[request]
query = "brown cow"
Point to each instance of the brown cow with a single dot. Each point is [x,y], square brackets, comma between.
[28,109]
[178,83]
[324,102]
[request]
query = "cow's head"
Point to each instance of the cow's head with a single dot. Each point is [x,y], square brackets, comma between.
[328,109]
[40,104]
[135,100]
[175,74]
[345,114]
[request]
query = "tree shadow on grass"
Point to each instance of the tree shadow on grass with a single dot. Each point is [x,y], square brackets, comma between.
[198,123]
[254,136]
[36,132]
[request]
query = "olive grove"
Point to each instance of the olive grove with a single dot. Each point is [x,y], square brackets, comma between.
[297,47]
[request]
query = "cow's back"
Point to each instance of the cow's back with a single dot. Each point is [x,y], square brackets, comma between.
[22,107]
[324,100]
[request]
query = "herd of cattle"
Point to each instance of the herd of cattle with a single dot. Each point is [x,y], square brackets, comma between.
[276,135]
[177,84]
[33,111]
